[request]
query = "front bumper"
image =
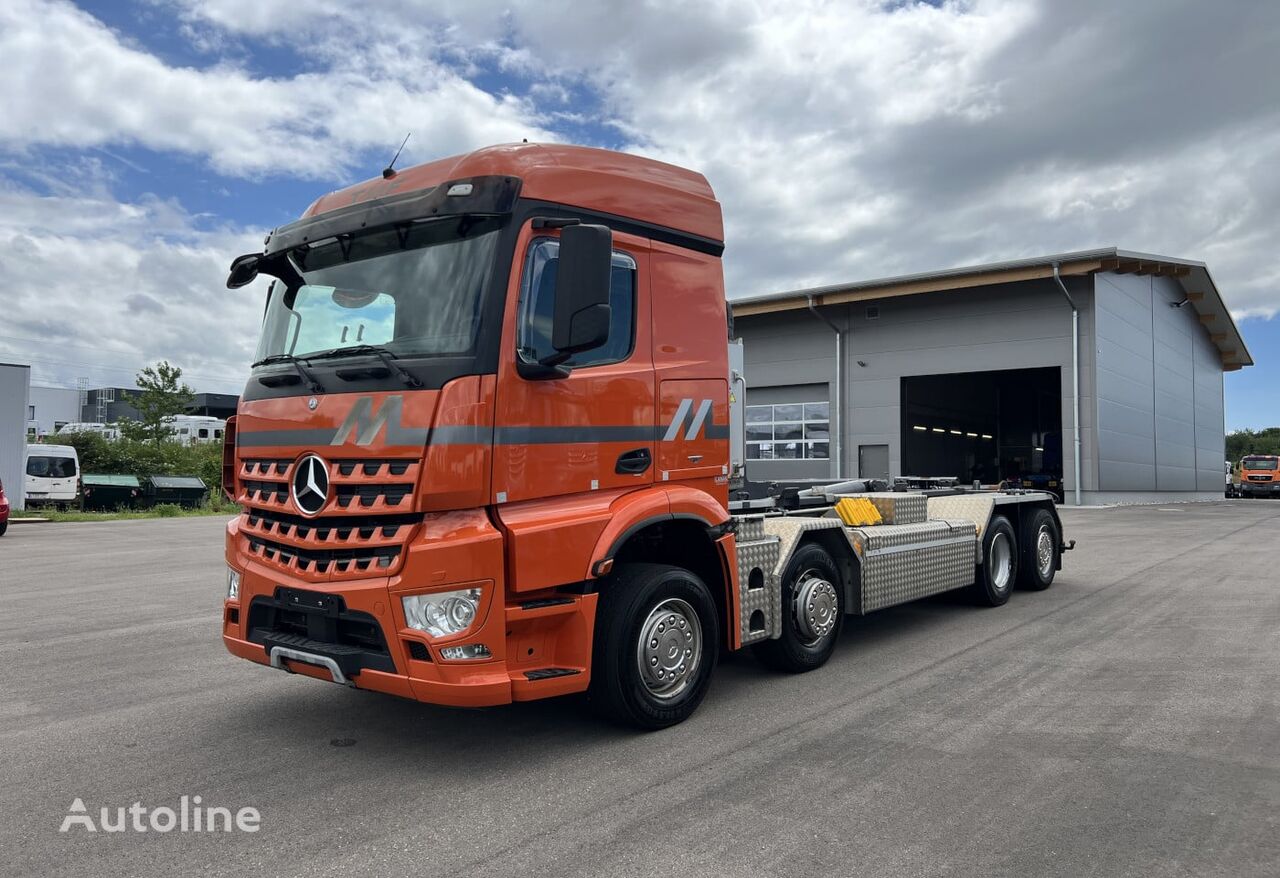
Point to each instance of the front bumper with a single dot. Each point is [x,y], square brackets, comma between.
[1260,488]
[353,631]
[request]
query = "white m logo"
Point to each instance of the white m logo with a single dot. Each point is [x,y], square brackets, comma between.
[682,414]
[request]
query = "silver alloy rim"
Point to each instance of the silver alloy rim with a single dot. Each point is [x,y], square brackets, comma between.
[815,607]
[1044,552]
[1001,560]
[670,648]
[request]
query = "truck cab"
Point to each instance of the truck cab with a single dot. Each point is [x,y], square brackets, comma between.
[1260,475]
[483,454]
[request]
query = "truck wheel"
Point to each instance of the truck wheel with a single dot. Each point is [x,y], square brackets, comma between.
[999,567]
[4,526]
[657,636]
[812,613]
[1039,561]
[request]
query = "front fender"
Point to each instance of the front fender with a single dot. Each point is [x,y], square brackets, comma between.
[637,510]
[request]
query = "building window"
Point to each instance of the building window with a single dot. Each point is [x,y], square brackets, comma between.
[789,431]
[31,413]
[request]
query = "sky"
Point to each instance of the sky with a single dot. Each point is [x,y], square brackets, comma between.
[144,143]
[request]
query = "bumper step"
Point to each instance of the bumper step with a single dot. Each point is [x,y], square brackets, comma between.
[549,673]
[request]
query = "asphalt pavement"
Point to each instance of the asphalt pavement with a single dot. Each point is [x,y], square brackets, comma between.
[1126,722]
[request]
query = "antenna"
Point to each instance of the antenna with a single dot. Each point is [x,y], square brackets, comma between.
[390,170]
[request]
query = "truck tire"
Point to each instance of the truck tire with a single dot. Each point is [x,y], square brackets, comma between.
[999,569]
[812,613]
[657,636]
[1039,561]
[4,526]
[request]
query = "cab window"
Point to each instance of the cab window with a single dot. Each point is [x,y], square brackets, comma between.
[537,296]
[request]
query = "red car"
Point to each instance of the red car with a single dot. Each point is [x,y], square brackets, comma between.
[4,511]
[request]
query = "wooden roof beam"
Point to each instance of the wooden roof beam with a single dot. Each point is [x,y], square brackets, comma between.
[1127,266]
[1195,296]
[1206,319]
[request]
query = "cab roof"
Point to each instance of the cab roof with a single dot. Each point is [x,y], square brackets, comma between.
[608,182]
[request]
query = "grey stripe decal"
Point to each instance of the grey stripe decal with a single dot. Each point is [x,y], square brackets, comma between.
[473,435]
[565,435]
[677,422]
[701,416]
[256,438]
[461,435]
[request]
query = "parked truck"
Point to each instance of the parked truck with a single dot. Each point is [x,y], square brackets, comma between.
[484,454]
[1260,476]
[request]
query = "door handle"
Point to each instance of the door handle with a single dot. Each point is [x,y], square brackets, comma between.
[633,462]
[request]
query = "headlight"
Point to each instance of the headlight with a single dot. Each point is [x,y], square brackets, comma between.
[443,613]
[233,584]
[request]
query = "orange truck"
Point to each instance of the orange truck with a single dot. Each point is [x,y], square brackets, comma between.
[484,454]
[1260,476]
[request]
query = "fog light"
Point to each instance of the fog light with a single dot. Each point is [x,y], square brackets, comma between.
[470,651]
[233,584]
[443,613]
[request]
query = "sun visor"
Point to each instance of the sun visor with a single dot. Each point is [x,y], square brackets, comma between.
[493,195]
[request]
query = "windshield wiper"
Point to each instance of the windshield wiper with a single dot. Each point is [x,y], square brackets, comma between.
[387,357]
[296,362]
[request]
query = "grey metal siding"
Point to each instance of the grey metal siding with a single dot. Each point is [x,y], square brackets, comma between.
[15,396]
[1159,400]
[1008,326]
[54,405]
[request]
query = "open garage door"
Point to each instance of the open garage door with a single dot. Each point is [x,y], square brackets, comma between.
[985,426]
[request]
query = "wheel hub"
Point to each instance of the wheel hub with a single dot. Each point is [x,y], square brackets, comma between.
[670,648]
[816,607]
[1001,562]
[1044,552]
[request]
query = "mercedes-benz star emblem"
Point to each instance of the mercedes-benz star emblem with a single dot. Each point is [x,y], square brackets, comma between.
[310,484]
[312,403]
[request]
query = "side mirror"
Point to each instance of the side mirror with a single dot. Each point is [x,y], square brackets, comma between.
[243,270]
[581,316]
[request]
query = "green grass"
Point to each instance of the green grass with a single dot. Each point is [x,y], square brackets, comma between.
[214,506]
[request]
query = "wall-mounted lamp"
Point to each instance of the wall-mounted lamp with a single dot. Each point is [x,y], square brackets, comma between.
[862,363]
[1184,301]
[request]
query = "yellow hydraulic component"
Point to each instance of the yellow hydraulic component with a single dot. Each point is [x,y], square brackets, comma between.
[858,512]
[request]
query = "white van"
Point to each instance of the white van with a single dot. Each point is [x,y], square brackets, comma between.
[195,429]
[53,474]
[106,431]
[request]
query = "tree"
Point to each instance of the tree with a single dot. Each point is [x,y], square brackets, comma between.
[163,394]
[1242,443]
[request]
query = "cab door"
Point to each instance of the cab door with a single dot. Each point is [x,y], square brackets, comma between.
[592,430]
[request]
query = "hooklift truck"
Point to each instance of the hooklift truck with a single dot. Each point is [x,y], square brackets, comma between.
[484,454]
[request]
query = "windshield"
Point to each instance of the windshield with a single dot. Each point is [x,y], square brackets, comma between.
[1259,463]
[51,467]
[417,289]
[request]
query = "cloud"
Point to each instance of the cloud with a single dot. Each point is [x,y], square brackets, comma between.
[97,287]
[72,82]
[845,140]
[860,139]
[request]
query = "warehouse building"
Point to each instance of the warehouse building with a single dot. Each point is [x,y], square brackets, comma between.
[15,405]
[1099,371]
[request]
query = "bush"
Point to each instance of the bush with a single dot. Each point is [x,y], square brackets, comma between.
[167,510]
[132,457]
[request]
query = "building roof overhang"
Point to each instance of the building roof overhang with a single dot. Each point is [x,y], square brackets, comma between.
[1197,284]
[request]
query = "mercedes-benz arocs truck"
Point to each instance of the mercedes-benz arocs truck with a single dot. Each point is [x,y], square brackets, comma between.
[484,454]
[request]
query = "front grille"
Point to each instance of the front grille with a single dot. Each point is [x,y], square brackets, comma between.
[1259,478]
[361,531]
[324,561]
